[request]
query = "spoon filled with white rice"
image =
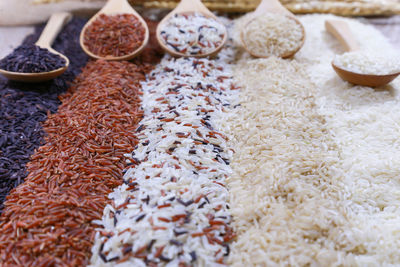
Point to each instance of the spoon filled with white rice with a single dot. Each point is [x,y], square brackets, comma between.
[272,31]
[365,67]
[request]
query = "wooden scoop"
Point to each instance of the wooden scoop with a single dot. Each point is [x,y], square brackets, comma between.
[342,32]
[187,7]
[274,7]
[53,27]
[114,7]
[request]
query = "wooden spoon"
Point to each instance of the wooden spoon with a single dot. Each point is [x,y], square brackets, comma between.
[274,7]
[187,7]
[342,32]
[114,7]
[50,32]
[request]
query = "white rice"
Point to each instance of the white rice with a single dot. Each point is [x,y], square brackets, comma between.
[364,124]
[369,62]
[272,34]
[285,205]
[315,176]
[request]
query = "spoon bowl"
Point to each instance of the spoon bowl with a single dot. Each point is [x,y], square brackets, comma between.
[342,32]
[370,80]
[115,7]
[272,7]
[53,27]
[189,7]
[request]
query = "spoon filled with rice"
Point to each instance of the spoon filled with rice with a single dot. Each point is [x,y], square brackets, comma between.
[272,30]
[362,66]
[38,62]
[191,30]
[116,32]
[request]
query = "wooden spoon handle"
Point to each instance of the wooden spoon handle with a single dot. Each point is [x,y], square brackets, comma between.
[116,6]
[193,6]
[52,29]
[342,32]
[271,6]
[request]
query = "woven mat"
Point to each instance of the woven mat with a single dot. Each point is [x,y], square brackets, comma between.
[338,7]
[345,7]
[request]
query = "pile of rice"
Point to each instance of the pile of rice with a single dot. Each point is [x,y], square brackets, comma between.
[173,206]
[315,173]
[364,124]
[284,196]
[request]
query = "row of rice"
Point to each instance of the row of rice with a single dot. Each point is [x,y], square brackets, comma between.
[282,170]
[173,206]
[316,160]
[48,219]
[364,124]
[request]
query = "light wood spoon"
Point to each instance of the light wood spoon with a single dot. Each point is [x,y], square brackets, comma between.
[342,32]
[114,7]
[188,7]
[49,33]
[274,7]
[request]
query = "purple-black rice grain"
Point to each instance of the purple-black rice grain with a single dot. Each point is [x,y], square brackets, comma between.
[30,58]
[24,106]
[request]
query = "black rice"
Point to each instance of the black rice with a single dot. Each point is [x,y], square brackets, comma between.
[30,58]
[24,106]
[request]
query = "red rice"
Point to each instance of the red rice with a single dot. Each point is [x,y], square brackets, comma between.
[47,219]
[114,35]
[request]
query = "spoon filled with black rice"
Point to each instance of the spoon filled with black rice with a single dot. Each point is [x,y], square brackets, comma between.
[38,62]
